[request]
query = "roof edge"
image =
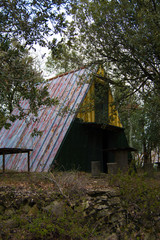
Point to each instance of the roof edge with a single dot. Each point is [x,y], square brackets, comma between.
[66,73]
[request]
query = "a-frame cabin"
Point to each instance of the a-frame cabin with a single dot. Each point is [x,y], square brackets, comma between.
[77,131]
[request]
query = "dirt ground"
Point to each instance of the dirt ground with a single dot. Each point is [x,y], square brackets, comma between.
[79,180]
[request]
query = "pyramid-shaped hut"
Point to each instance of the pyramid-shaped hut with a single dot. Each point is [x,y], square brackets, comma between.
[81,129]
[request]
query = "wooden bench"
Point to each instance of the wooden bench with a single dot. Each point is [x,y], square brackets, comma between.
[5,151]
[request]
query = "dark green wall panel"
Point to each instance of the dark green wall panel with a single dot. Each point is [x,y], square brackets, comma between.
[85,143]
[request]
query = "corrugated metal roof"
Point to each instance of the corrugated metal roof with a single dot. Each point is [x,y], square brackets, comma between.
[53,122]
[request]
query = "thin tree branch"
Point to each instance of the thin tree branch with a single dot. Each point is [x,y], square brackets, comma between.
[52,179]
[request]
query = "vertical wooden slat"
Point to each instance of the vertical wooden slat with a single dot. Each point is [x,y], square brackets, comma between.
[28,161]
[3,162]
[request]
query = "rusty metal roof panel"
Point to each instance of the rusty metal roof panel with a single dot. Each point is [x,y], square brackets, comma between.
[53,123]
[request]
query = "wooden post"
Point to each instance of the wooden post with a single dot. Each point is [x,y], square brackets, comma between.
[28,161]
[3,162]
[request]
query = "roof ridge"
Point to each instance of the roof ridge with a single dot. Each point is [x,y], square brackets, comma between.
[66,73]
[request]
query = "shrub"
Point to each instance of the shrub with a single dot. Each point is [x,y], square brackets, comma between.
[140,198]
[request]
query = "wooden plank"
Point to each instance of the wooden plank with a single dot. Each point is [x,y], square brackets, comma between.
[3,162]
[28,161]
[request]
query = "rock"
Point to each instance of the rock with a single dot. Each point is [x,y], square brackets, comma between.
[96,193]
[56,208]
[92,212]
[100,207]
[115,201]
[114,217]
[113,236]
[104,197]
[85,204]
[104,213]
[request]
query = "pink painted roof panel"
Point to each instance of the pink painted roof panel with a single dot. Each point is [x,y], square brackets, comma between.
[53,123]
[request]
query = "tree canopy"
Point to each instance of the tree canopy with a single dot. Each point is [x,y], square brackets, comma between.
[31,20]
[63,58]
[124,36]
[19,80]
[23,24]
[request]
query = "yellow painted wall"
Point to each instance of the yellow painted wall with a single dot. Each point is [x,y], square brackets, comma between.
[112,112]
[87,111]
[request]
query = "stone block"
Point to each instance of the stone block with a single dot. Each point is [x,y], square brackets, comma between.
[95,168]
